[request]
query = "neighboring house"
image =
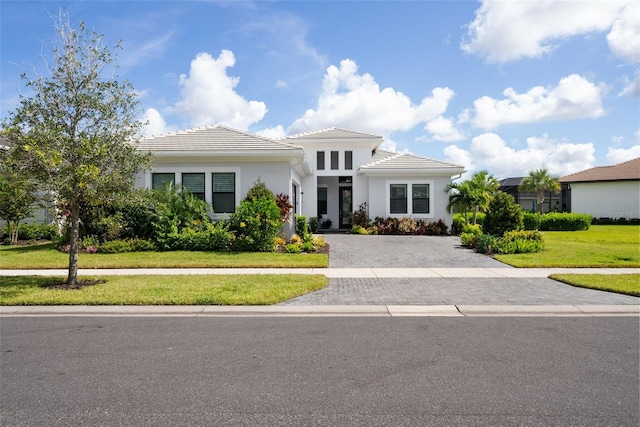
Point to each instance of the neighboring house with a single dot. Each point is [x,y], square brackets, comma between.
[327,173]
[528,200]
[604,191]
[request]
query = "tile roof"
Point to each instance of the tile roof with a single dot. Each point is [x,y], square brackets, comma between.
[333,133]
[406,161]
[626,171]
[217,138]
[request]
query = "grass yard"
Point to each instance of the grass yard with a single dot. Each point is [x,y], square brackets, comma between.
[46,256]
[162,290]
[600,246]
[628,284]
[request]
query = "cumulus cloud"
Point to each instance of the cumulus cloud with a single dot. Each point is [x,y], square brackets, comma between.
[356,101]
[273,133]
[443,129]
[489,151]
[156,124]
[209,97]
[624,37]
[619,155]
[505,31]
[573,98]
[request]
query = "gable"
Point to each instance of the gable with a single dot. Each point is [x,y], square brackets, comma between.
[409,164]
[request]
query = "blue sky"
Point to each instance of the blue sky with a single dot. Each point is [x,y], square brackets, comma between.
[496,85]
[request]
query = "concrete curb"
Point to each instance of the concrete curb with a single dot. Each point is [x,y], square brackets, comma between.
[327,311]
[337,273]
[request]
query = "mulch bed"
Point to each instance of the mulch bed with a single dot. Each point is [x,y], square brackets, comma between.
[82,283]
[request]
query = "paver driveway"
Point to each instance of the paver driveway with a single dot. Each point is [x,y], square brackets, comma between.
[356,251]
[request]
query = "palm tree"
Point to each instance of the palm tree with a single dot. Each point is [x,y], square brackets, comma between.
[484,186]
[473,194]
[539,181]
[460,199]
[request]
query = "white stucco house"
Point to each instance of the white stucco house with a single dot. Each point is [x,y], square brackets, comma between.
[327,173]
[604,191]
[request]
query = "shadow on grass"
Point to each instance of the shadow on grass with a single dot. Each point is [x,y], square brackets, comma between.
[28,248]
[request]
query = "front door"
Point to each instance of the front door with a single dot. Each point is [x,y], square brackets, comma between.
[346,207]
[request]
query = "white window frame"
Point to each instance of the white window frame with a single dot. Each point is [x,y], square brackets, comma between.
[409,183]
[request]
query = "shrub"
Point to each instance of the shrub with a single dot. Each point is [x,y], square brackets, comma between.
[260,191]
[563,221]
[503,215]
[327,223]
[469,240]
[357,229]
[408,226]
[438,228]
[142,245]
[616,221]
[216,237]
[519,242]
[302,228]
[293,248]
[318,242]
[256,222]
[531,220]
[37,232]
[486,243]
[360,217]
[313,224]
[458,221]
[285,206]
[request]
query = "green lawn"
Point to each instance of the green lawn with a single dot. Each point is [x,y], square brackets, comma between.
[46,256]
[163,290]
[628,284]
[600,246]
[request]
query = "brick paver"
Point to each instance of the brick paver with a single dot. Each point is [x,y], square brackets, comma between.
[469,291]
[354,251]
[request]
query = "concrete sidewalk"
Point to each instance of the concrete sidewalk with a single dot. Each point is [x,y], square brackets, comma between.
[326,311]
[339,273]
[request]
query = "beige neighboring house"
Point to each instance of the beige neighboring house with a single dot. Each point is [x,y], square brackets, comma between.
[604,191]
[327,173]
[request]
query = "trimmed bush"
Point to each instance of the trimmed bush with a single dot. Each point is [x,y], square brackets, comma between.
[302,227]
[408,226]
[313,224]
[356,229]
[563,221]
[458,222]
[615,221]
[531,220]
[37,232]
[256,223]
[216,237]
[503,215]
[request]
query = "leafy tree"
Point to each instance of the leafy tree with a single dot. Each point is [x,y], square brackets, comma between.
[539,181]
[503,214]
[75,133]
[17,197]
[473,194]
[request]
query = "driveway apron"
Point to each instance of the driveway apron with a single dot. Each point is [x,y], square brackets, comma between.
[356,251]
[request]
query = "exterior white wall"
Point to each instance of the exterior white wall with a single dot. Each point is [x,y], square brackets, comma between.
[379,196]
[276,175]
[618,199]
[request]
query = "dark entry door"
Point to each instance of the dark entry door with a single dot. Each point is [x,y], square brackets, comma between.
[346,207]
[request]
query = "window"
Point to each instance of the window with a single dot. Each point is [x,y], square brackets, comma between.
[295,199]
[348,160]
[398,199]
[345,179]
[320,160]
[334,160]
[194,183]
[322,200]
[224,192]
[420,198]
[160,180]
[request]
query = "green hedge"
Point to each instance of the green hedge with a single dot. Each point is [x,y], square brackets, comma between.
[557,221]
[33,231]
[458,221]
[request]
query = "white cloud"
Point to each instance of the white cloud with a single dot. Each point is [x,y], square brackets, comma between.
[443,129]
[632,87]
[138,53]
[617,139]
[489,151]
[504,31]
[619,155]
[273,133]
[156,125]
[573,98]
[281,84]
[356,101]
[624,38]
[209,96]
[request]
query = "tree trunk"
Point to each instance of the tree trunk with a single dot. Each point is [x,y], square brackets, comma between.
[14,233]
[72,278]
[540,202]
[475,215]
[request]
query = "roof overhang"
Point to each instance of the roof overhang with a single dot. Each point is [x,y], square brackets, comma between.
[411,172]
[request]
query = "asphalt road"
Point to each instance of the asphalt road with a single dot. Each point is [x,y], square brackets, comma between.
[319,371]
